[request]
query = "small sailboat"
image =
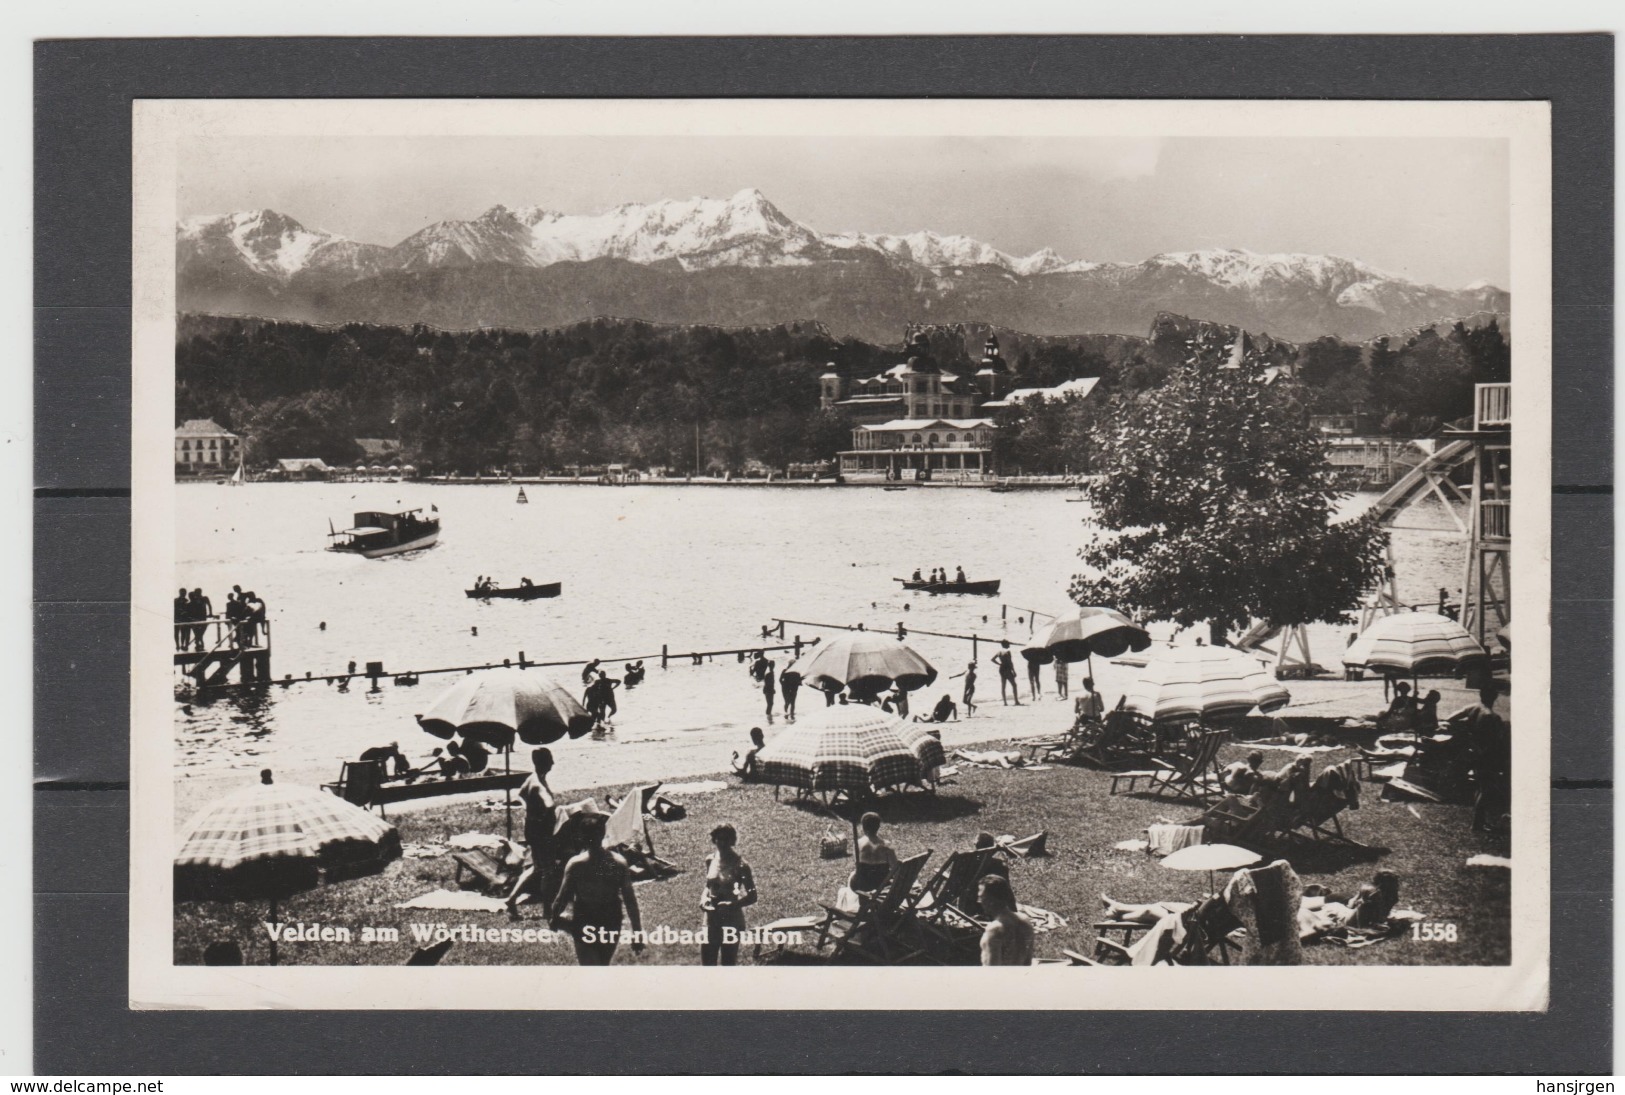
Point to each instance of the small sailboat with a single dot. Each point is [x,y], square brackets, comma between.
[237,477]
[522,500]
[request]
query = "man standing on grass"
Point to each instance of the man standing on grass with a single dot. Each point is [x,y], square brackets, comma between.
[1008,938]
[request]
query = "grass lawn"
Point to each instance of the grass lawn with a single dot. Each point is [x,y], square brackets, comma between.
[1427,848]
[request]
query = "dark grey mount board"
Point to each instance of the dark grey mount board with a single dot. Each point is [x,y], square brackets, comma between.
[83,94]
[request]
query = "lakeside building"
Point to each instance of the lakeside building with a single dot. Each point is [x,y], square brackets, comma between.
[204,447]
[916,420]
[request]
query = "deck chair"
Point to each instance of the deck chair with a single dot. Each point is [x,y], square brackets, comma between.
[1317,813]
[940,907]
[628,832]
[1190,774]
[1201,937]
[359,783]
[876,930]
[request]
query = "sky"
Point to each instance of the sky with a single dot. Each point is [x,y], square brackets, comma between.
[1434,210]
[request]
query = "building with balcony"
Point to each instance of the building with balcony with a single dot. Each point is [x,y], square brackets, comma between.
[204,447]
[918,421]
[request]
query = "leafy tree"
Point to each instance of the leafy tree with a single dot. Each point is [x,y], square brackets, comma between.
[1215,503]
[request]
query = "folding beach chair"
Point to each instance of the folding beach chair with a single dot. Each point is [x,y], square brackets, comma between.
[1190,774]
[1202,938]
[1317,813]
[940,907]
[359,783]
[874,931]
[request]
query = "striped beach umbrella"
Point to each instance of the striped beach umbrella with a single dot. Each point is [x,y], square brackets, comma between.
[851,747]
[1085,630]
[1198,682]
[1414,643]
[868,664]
[493,705]
[271,840]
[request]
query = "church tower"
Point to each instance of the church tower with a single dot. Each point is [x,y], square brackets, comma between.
[993,378]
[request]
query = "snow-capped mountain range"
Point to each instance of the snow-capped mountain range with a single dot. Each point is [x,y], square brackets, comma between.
[521,266]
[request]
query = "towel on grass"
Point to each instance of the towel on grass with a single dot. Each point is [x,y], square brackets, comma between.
[415,850]
[1167,839]
[1489,861]
[697,787]
[1043,920]
[1131,845]
[459,900]
[488,842]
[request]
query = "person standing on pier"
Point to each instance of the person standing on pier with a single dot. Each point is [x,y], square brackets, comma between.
[202,609]
[183,613]
[790,684]
[1007,675]
[541,824]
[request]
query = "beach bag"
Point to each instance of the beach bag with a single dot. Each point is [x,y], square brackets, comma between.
[833,845]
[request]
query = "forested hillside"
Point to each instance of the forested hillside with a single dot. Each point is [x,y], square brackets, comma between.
[627,391]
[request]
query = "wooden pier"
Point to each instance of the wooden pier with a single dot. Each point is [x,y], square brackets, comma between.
[209,651]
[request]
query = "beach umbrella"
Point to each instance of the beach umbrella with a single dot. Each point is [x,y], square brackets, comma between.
[1084,631]
[1414,643]
[494,705]
[850,747]
[268,841]
[1210,858]
[1198,682]
[867,663]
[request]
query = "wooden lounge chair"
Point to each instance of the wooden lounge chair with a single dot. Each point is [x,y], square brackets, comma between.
[873,932]
[359,783]
[1316,814]
[489,870]
[1190,774]
[941,907]
[1207,927]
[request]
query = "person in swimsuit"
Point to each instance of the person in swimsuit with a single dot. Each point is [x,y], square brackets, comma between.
[1007,675]
[969,696]
[876,859]
[1008,938]
[541,824]
[729,888]
[790,684]
[748,768]
[769,687]
[1060,678]
[1035,684]
[597,886]
[183,614]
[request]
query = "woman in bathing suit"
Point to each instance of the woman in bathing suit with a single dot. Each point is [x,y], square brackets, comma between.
[875,857]
[729,888]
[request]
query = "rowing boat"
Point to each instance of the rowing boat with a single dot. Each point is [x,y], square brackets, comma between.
[988,588]
[518,593]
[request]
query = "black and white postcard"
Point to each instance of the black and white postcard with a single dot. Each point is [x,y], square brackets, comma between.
[864,543]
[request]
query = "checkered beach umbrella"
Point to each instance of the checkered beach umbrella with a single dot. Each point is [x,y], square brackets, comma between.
[1414,642]
[1084,630]
[867,663]
[272,840]
[281,824]
[850,747]
[1197,682]
[493,705]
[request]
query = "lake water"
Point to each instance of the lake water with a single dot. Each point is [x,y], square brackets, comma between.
[697,568]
